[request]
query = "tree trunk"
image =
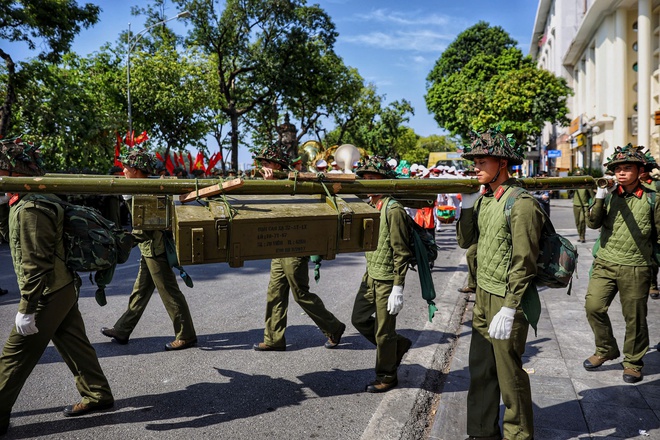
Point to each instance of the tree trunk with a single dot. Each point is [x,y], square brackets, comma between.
[234,140]
[10,94]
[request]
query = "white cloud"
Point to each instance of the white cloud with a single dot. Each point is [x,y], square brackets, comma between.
[406,18]
[417,40]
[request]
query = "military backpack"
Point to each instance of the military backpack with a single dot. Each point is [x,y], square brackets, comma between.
[557,258]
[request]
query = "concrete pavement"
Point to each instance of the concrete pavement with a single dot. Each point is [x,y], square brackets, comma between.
[569,402]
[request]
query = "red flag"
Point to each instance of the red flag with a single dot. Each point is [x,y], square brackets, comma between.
[141,138]
[129,139]
[199,161]
[214,159]
[190,162]
[169,165]
[118,150]
[159,157]
[181,161]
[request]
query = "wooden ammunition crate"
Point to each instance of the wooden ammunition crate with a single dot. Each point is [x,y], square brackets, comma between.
[265,227]
[152,212]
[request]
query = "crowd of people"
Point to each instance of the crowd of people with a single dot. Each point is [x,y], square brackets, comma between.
[502,252]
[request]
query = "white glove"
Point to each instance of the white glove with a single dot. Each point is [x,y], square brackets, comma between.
[601,193]
[25,324]
[502,324]
[395,301]
[468,200]
[127,197]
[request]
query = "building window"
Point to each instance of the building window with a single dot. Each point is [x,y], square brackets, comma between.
[635,46]
[635,67]
[635,87]
[635,107]
[634,26]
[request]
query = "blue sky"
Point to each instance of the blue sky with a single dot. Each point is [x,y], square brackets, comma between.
[393,44]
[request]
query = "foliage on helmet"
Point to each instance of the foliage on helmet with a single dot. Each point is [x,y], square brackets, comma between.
[650,162]
[493,142]
[20,157]
[274,153]
[139,159]
[375,165]
[627,154]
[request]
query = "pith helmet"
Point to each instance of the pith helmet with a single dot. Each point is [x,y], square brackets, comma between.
[494,143]
[627,154]
[139,159]
[375,165]
[274,153]
[20,157]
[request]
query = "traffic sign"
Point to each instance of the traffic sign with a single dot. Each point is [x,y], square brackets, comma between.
[553,153]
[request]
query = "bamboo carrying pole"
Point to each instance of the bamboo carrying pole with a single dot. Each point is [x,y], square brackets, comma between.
[406,188]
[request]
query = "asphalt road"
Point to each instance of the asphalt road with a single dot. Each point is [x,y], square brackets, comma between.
[223,389]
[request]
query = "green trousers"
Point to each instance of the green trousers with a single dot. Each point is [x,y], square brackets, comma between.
[496,369]
[471,257]
[292,273]
[371,318]
[58,319]
[580,213]
[156,273]
[632,284]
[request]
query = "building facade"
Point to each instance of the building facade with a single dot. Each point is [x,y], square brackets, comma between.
[609,52]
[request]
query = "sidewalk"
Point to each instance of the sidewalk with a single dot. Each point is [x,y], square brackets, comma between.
[569,402]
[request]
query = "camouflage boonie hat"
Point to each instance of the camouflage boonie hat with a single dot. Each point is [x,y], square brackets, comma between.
[139,159]
[20,157]
[274,153]
[375,165]
[627,154]
[493,142]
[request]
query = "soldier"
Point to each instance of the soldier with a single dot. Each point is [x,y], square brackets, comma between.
[154,273]
[48,308]
[506,301]
[380,296]
[626,216]
[581,200]
[291,273]
[648,177]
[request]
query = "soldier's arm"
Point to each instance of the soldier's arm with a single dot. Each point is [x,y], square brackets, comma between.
[399,240]
[467,233]
[526,224]
[38,239]
[597,211]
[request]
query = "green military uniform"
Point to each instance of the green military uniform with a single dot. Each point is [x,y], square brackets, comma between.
[155,273]
[504,279]
[386,267]
[293,273]
[623,264]
[471,258]
[581,200]
[48,290]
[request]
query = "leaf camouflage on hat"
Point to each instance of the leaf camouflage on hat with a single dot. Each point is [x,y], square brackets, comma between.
[140,159]
[20,157]
[493,142]
[375,165]
[627,154]
[650,162]
[274,153]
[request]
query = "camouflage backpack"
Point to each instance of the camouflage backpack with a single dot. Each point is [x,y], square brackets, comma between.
[557,258]
[93,243]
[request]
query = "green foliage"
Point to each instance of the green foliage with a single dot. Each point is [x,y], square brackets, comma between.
[495,87]
[426,145]
[49,24]
[71,111]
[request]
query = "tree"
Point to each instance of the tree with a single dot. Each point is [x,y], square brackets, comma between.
[426,145]
[388,133]
[71,110]
[352,117]
[499,87]
[55,23]
[259,46]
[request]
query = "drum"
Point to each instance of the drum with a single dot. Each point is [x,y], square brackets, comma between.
[446,214]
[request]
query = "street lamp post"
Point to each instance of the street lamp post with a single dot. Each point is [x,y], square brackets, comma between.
[131,42]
